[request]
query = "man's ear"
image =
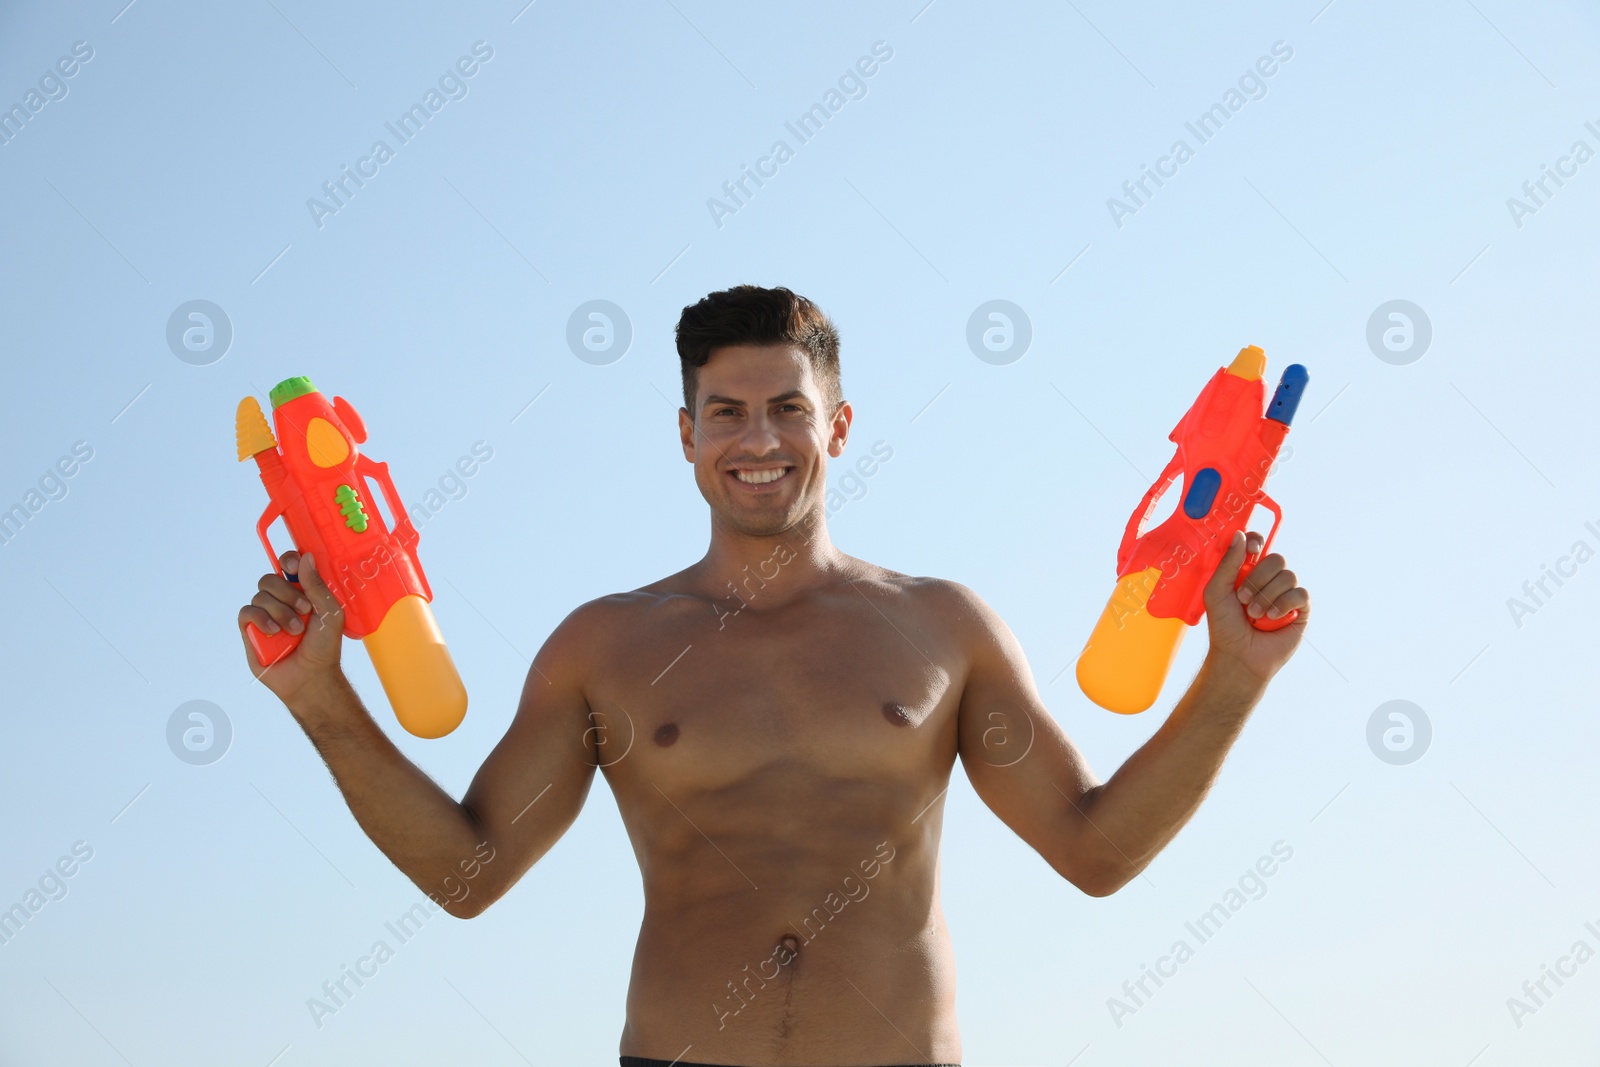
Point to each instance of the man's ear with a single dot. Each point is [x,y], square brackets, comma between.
[686,433]
[840,428]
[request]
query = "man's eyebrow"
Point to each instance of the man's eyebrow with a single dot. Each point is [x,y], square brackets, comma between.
[790,395]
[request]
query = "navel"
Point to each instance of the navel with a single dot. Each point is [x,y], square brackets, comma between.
[667,734]
[897,715]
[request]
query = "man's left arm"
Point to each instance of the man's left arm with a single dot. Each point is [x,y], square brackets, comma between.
[1099,836]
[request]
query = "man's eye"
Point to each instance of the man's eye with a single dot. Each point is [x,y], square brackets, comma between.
[723,411]
[792,407]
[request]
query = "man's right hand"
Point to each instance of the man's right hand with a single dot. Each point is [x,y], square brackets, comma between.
[314,664]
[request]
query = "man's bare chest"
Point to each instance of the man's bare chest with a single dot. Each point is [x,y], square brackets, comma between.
[845,689]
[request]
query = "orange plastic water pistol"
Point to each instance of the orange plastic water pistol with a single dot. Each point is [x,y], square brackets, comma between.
[317,481]
[1226,447]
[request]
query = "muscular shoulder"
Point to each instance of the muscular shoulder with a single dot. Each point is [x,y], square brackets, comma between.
[595,636]
[597,627]
[992,656]
[616,615]
[972,621]
[953,607]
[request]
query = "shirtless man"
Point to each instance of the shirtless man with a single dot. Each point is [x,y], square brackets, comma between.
[778,722]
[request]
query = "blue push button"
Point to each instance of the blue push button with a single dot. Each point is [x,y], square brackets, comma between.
[1202,493]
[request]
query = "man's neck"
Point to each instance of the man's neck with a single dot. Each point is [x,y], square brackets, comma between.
[767,571]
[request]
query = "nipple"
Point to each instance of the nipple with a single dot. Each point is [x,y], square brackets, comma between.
[896,714]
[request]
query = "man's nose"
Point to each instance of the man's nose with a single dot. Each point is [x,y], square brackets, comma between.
[760,435]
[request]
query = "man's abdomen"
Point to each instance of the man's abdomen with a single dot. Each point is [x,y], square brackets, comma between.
[852,971]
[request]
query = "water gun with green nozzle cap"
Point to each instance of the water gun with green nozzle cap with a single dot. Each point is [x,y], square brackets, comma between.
[1226,447]
[316,479]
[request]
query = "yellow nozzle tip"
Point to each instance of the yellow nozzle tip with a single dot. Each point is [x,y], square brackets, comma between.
[1249,364]
[250,429]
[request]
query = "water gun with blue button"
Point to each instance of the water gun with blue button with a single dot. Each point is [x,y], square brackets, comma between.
[1226,447]
[316,480]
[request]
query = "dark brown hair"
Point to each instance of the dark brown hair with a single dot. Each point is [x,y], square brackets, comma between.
[751,315]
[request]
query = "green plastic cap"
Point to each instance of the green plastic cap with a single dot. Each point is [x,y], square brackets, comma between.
[288,389]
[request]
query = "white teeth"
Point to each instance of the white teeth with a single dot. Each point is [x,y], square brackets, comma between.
[761,477]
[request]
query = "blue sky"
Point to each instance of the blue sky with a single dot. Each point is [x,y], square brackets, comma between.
[976,163]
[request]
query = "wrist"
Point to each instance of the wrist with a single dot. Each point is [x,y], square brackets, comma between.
[325,700]
[1228,675]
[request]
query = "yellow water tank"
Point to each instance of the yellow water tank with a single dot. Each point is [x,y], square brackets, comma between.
[1126,661]
[416,670]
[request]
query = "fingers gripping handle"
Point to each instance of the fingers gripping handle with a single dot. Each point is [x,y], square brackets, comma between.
[1249,564]
[270,648]
[1264,623]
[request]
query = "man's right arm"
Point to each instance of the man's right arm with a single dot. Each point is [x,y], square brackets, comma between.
[464,854]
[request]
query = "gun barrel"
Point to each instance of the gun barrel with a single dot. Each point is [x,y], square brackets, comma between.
[1287,398]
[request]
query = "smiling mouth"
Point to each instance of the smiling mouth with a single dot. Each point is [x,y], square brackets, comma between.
[765,477]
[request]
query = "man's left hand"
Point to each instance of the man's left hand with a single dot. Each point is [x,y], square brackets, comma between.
[1269,590]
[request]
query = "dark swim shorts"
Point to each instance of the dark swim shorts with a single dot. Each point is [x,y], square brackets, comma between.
[640,1061]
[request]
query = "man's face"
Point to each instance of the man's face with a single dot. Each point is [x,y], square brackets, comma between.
[761,437]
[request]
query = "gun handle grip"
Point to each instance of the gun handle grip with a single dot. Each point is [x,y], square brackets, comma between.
[270,648]
[1263,623]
